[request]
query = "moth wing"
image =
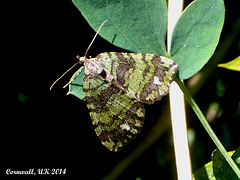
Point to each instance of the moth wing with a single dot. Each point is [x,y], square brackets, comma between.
[145,77]
[159,81]
[116,117]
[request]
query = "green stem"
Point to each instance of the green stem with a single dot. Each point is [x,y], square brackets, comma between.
[208,127]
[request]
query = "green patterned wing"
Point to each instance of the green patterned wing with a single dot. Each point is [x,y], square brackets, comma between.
[144,77]
[116,117]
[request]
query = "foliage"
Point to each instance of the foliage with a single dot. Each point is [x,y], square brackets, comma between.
[232,65]
[218,168]
[140,26]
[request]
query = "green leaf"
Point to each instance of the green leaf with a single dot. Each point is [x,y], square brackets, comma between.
[232,65]
[204,173]
[196,35]
[137,26]
[140,26]
[221,168]
[76,86]
[218,168]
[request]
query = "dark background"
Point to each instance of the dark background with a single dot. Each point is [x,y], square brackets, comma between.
[48,129]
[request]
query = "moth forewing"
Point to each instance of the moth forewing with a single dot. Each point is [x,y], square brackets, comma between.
[144,77]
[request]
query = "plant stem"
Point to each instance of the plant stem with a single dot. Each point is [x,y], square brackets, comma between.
[179,131]
[207,127]
[178,117]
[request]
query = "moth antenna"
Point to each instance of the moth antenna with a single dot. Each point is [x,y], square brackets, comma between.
[95,37]
[63,75]
[78,57]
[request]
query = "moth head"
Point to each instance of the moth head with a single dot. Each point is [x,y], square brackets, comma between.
[82,59]
[93,67]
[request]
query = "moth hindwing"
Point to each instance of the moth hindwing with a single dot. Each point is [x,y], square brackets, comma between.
[116,85]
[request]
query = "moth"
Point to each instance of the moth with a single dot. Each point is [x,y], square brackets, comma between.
[116,85]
